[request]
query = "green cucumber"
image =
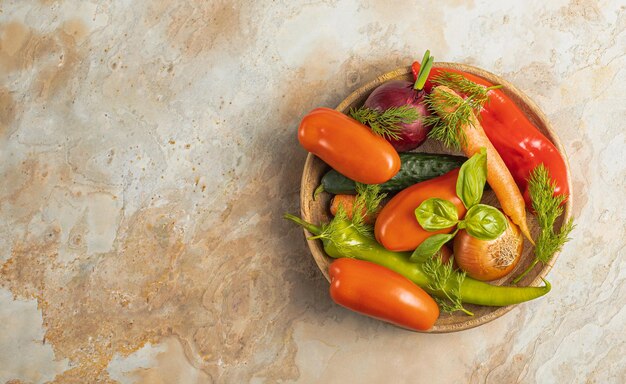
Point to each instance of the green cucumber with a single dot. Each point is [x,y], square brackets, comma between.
[416,167]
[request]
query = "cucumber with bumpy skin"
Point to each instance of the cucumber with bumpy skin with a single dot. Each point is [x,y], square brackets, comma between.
[416,167]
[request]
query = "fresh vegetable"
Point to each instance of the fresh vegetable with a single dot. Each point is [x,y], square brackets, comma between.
[386,123]
[343,238]
[391,95]
[548,207]
[348,146]
[488,260]
[456,122]
[481,221]
[396,227]
[472,179]
[415,168]
[367,203]
[397,93]
[444,279]
[381,293]
[344,201]
[520,144]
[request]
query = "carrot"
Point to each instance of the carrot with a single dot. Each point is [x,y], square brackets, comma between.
[347,202]
[498,175]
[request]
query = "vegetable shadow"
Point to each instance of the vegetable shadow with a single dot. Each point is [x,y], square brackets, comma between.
[308,286]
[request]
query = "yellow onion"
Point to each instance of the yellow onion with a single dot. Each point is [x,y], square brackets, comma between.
[489,260]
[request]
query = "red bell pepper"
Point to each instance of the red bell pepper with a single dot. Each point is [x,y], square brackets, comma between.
[520,144]
[381,293]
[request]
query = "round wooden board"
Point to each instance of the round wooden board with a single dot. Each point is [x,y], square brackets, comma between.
[317,211]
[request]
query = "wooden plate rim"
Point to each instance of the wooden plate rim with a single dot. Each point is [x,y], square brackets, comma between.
[316,245]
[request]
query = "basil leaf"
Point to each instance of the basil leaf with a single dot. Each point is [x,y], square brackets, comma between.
[434,214]
[472,178]
[484,222]
[430,246]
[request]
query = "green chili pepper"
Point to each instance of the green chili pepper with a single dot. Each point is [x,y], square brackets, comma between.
[345,239]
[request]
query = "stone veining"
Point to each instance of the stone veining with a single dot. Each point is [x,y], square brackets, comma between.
[148,152]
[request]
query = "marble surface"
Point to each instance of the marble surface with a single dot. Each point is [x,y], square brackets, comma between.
[148,151]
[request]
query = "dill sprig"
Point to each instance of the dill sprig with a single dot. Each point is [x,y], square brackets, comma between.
[369,197]
[386,123]
[449,112]
[334,232]
[445,280]
[367,202]
[460,84]
[547,208]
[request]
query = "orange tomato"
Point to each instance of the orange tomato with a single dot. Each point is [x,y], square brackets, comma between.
[381,293]
[397,228]
[348,146]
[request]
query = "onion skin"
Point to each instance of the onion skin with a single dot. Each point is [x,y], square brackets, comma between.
[489,260]
[399,93]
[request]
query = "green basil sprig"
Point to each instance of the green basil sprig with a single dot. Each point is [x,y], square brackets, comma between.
[472,178]
[484,222]
[431,246]
[435,213]
[481,221]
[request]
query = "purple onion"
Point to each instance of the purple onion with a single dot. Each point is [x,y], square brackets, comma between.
[398,93]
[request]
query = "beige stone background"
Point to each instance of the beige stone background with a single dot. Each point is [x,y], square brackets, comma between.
[148,150]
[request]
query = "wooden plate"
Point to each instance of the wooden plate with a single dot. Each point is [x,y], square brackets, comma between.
[318,211]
